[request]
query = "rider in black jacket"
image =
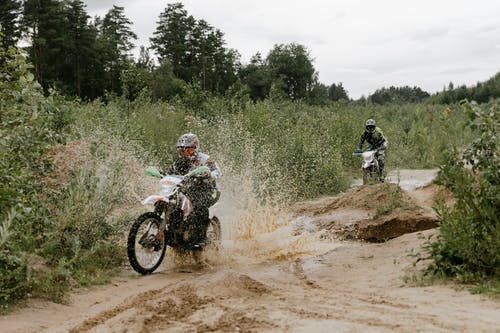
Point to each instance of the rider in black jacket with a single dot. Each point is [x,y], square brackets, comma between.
[375,138]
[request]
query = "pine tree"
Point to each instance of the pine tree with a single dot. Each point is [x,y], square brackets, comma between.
[45,24]
[115,43]
[195,50]
[171,38]
[82,65]
[9,21]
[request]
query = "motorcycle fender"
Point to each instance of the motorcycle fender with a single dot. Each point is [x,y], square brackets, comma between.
[152,199]
[212,210]
[367,164]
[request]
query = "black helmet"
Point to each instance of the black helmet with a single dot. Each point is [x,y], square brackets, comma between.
[188,146]
[370,125]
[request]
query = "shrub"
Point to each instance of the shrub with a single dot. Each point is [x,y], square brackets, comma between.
[468,246]
[29,123]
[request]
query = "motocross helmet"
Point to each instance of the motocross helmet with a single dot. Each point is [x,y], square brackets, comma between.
[188,146]
[370,125]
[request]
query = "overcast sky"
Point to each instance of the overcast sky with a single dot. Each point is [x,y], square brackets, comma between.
[365,45]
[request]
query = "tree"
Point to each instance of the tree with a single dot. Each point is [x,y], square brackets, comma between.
[293,66]
[318,94]
[45,25]
[337,92]
[393,94]
[482,92]
[195,50]
[115,42]
[171,36]
[134,80]
[82,66]
[145,60]
[257,77]
[10,11]
[164,84]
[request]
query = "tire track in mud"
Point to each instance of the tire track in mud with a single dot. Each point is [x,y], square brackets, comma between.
[277,297]
[156,310]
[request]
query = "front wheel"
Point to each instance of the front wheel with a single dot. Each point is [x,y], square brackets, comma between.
[366,176]
[145,248]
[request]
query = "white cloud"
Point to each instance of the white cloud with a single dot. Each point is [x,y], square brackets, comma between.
[365,45]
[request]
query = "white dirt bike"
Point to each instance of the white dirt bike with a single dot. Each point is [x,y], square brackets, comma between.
[369,166]
[168,224]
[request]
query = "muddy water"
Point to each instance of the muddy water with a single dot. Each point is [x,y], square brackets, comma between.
[408,180]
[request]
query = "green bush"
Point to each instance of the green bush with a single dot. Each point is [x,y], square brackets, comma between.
[29,123]
[66,229]
[468,246]
[15,280]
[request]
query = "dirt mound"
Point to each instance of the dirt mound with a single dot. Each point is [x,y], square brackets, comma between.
[106,160]
[394,224]
[367,197]
[371,212]
[65,158]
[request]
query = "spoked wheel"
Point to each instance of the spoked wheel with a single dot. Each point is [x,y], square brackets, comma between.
[370,175]
[366,176]
[144,248]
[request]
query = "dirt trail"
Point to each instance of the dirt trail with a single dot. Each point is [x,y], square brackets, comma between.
[296,279]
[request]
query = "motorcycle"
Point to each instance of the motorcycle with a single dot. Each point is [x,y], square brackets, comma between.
[169,224]
[369,166]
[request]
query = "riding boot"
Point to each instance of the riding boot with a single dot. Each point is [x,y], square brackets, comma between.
[202,221]
[381,164]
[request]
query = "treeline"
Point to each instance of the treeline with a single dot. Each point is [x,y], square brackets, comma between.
[399,95]
[92,58]
[188,59]
[482,92]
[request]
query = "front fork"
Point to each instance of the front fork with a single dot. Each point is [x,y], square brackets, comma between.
[166,208]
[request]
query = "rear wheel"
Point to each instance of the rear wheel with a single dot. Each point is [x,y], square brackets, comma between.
[214,231]
[145,248]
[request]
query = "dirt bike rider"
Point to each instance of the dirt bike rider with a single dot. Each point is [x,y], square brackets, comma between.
[376,141]
[201,189]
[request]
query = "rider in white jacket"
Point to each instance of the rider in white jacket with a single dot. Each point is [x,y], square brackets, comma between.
[200,189]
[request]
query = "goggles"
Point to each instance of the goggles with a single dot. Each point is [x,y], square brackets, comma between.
[186,151]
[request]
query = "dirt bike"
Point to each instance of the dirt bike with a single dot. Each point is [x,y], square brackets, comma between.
[369,166]
[169,224]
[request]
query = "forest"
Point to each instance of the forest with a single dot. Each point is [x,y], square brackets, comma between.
[66,78]
[95,59]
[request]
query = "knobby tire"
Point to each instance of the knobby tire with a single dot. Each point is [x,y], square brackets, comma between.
[132,256]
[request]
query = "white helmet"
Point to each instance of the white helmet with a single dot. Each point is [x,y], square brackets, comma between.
[188,146]
[370,125]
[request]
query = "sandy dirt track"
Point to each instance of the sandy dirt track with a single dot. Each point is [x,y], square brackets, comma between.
[284,281]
